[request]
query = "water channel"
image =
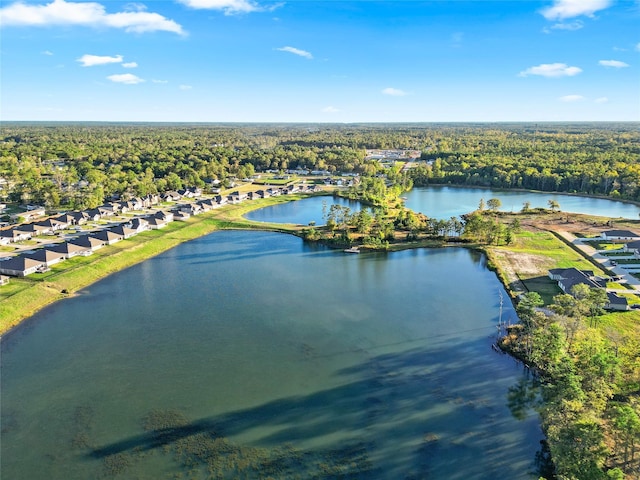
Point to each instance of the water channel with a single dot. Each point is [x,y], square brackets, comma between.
[253,354]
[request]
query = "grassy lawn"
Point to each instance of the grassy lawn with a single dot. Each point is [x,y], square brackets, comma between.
[547,245]
[599,245]
[622,323]
[613,253]
[619,286]
[546,287]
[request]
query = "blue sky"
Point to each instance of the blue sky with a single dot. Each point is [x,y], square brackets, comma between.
[320,61]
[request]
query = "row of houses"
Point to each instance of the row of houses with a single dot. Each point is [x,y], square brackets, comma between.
[43,258]
[568,278]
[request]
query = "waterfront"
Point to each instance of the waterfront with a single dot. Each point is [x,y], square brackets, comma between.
[378,362]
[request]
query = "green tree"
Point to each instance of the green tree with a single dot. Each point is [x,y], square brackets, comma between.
[494,204]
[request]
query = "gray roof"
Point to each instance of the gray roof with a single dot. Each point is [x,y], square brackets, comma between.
[19,263]
[573,276]
[614,299]
[620,233]
[44,255]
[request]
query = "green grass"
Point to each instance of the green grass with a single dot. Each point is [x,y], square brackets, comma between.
[624,323]
[546,287]
[559,254]
[600,245]
[616,254]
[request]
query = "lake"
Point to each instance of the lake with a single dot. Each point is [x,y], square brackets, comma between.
[249,354]
[301,212]
[447,202]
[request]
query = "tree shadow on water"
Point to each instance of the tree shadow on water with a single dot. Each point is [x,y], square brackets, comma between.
[413,414]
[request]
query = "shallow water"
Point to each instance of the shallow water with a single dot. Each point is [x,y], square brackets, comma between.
[248,354]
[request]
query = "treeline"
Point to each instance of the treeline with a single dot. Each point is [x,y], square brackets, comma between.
[585,387]
[80,165]
[597,161]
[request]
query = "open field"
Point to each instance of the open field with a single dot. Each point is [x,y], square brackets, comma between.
[523,266]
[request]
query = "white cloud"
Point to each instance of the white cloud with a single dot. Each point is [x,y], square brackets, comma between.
[330,109]
[601,100]
[613,63]
[185,87]
[638,47]
[572,26]
[562,9]
[551,70]
[394,92]
[159,81]
[89,14]
[93,60]
[47,52]
[571,98]
[229,7]
[127,78]
[296,51]
[130,65]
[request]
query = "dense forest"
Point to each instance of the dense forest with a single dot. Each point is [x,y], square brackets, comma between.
[81,165]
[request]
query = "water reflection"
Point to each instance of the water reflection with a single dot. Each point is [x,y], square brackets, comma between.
[256,350]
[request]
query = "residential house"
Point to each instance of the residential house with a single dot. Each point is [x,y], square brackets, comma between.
[109,209]
[45,256]
[31,214]
[190,208]
[620,235]
[567,278]
[156,223]
[15,235]
[171,196]
[69,249]
[162,215]
[67,219]
[236,197]
[220,200]
[632,247]
[615,302]
[206,204]
[124,231]
[53,224]
[107,236]
[93,215]
[138,224]
[88,241]
[20,266]
[33,229]
[181,216]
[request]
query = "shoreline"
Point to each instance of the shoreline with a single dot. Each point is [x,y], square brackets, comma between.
[81,273]
[76,274]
